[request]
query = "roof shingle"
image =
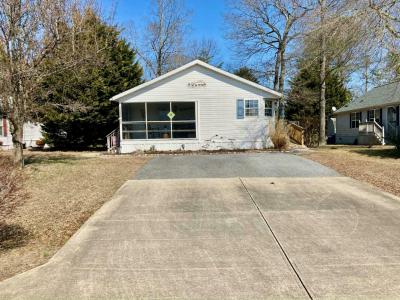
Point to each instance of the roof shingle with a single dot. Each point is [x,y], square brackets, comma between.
[380,96]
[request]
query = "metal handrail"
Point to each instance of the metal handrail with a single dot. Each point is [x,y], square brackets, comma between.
[113,141]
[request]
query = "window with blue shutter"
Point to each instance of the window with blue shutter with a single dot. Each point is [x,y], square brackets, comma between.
[240,109]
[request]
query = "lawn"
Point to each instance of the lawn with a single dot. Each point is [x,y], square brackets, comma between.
[378,165]
[61,191]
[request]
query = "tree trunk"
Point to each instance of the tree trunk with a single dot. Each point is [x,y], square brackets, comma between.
[281,86]
[277,68]
[322,102]
[17,133]
[366,75]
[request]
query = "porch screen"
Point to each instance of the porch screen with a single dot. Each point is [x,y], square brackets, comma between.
[159,120]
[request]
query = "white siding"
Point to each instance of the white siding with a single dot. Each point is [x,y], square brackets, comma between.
[344,133]
[32,133]
[216,111]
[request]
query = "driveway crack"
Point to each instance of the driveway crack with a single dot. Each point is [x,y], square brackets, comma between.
[277,240]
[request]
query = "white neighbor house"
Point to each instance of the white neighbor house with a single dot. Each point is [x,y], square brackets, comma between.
[32,133]
[195,107]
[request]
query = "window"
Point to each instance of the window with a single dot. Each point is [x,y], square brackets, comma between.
[133,121]
[374,115]
[251,108]
[355,119]
[268,108]
[151,120]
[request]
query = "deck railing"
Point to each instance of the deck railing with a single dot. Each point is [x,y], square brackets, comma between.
[296,133]
[113,141]
[372,128]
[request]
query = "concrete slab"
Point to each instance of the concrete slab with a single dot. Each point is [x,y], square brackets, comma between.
[191,239]
[332,237]
[341,235]
[272,164]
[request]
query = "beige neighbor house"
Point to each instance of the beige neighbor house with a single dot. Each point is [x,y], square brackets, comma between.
[370,119]
[195,107]
[32,133]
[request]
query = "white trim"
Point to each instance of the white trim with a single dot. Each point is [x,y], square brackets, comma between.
[191,64]
[170,121]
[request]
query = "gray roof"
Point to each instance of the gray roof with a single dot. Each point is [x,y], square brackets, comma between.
[377,97]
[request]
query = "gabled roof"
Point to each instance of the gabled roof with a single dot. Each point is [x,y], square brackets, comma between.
[377,97]
[189,65]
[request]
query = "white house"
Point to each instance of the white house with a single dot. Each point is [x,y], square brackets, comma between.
[370,119]
[195,107]
[32,133]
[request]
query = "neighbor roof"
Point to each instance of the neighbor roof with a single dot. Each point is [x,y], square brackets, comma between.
[380,96]
[189,65]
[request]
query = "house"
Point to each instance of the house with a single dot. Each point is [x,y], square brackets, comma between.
[195,107]
[32,133]
[370,119]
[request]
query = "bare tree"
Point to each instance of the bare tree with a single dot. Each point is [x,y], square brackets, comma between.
[205,50]
[265,28]
[388,13]
[30,32]
[161,47]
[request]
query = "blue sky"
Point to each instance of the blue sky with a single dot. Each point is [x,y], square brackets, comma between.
[207,19]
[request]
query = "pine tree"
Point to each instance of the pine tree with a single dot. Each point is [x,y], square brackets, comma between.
[88,91]
[303,99]
[246,73]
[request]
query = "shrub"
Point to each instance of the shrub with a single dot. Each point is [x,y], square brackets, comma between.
[10,184]
[279,135]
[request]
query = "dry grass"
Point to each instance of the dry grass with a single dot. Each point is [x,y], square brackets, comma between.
[379,165]
[62,192]
[10,186]
[279,135]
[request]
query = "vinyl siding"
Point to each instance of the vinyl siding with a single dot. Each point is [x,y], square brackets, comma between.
[32,133]
[347,135]
[216,111]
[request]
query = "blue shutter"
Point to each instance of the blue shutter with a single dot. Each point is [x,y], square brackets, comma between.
[240,109]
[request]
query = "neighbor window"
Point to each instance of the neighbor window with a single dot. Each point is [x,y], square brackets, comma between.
[251,108]
[268,108]
[159,120]
[374,115]
[355,119]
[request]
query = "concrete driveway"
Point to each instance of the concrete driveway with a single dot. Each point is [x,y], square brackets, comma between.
[228,238]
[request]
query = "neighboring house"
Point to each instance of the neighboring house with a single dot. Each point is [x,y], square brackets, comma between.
[194,107]
[370,119]
[32,133]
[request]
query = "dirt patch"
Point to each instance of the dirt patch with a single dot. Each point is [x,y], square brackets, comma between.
[61,191]
[379,166]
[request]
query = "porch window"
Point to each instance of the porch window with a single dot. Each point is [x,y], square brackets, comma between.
[251,108]
[159,120]
[374,115]
[392,116]
[355,119]
[268,108]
